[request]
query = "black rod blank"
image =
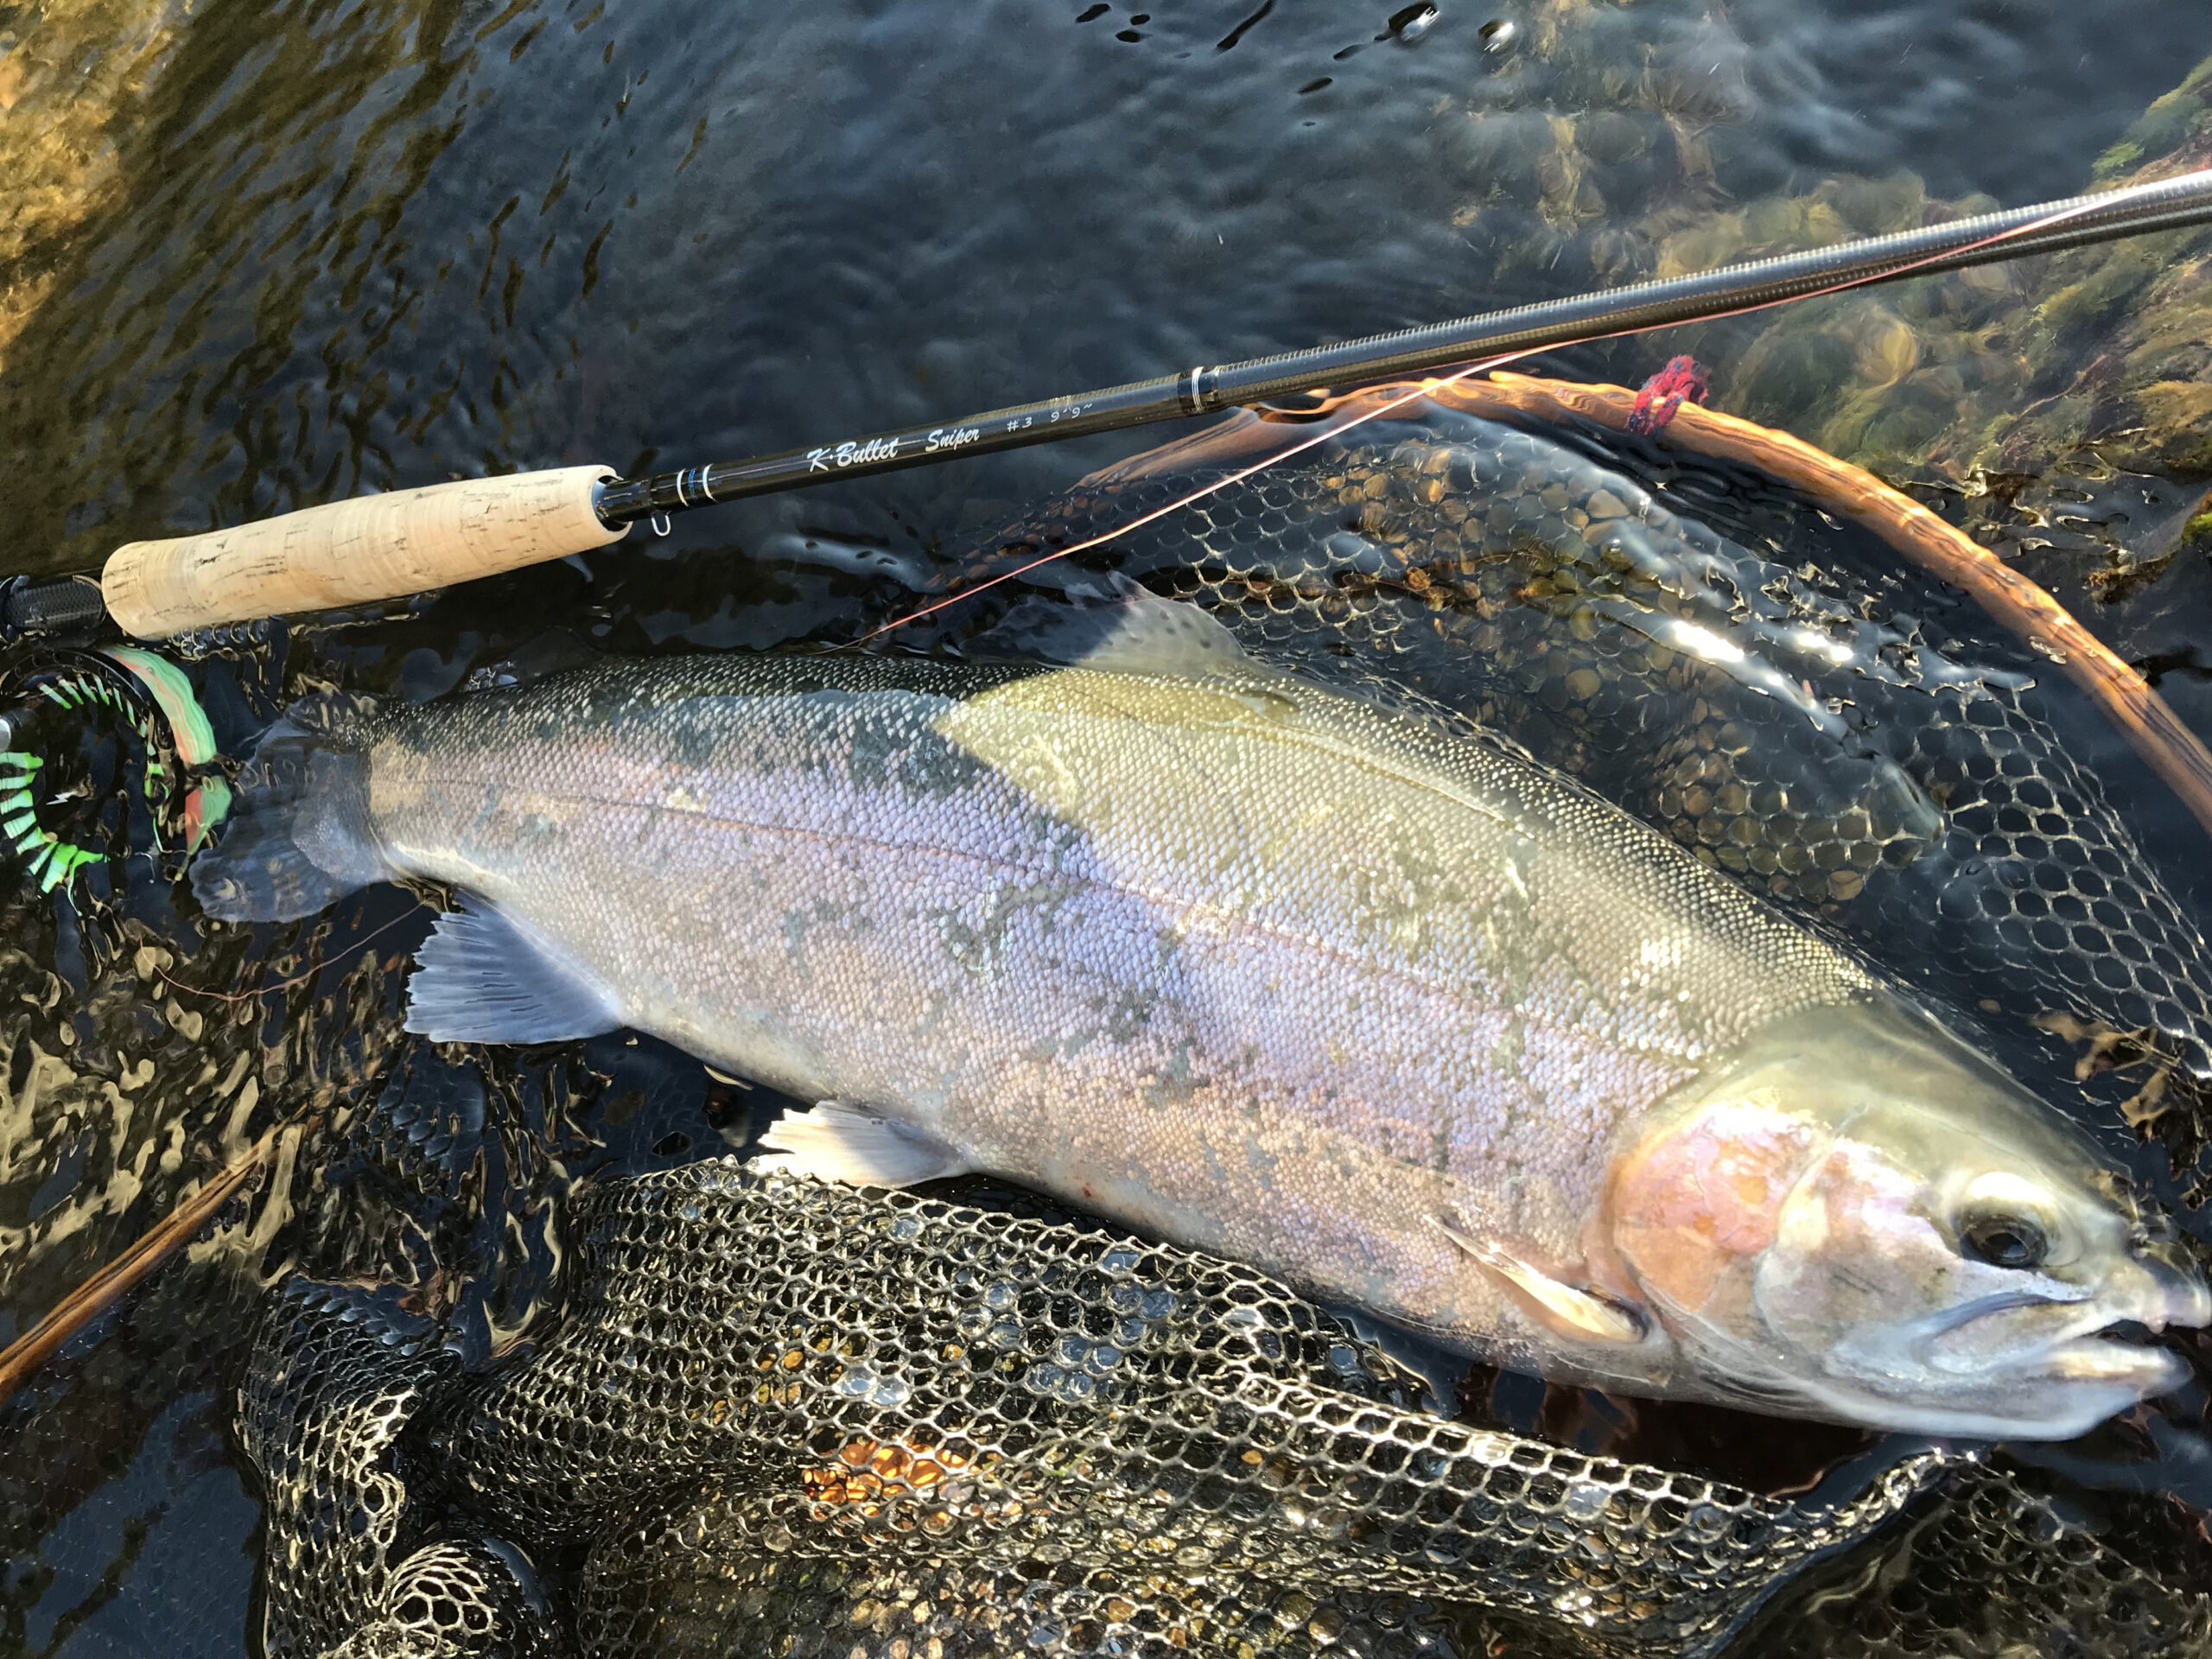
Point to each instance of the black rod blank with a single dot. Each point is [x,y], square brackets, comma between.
[2165,203]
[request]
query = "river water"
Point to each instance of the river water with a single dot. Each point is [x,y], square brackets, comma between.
[291,253]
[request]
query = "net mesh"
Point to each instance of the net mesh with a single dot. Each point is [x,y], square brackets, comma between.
[894,1425]
[1999,1567]
[1133,1448]
[336,1378]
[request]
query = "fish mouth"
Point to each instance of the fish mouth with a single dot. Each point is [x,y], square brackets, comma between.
[2109,1349]
[2120,1352]
[2110,1340]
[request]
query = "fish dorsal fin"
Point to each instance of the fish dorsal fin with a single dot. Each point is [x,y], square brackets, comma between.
[840,1143]
[1147,634]
[482,977]
[1569,1310]
[1133,631]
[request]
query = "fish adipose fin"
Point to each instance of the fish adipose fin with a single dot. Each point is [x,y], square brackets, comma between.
[838,1142]
[480,977]
[299,838]
[1566,1309]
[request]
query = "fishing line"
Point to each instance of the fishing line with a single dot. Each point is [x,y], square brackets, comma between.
[361,943]
[1200,494]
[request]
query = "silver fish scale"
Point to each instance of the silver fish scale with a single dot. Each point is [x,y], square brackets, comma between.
[1045,1432]
[1248,964]
[1908,789]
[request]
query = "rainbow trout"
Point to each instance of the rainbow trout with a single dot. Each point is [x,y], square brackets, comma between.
[1404,1018]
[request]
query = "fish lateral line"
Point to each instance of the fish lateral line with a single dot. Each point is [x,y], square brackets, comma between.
[1215,918]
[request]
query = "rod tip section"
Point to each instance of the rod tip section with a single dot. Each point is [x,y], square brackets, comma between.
[356,552]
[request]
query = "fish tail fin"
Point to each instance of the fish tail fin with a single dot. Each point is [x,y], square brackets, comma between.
[299,838]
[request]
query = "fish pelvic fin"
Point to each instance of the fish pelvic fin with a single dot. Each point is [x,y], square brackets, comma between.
[299,838]
[840,1143]
[1566,1310]
[483,977]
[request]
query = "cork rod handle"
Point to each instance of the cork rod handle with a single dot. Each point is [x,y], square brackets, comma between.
[354,552]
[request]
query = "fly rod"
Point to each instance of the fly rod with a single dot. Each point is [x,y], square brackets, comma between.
[387,546]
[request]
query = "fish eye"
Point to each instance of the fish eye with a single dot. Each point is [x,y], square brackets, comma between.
[2012,1242]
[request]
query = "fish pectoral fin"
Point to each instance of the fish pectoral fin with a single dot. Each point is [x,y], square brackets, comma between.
[1567,1309]
[480,977]
[839,1142]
